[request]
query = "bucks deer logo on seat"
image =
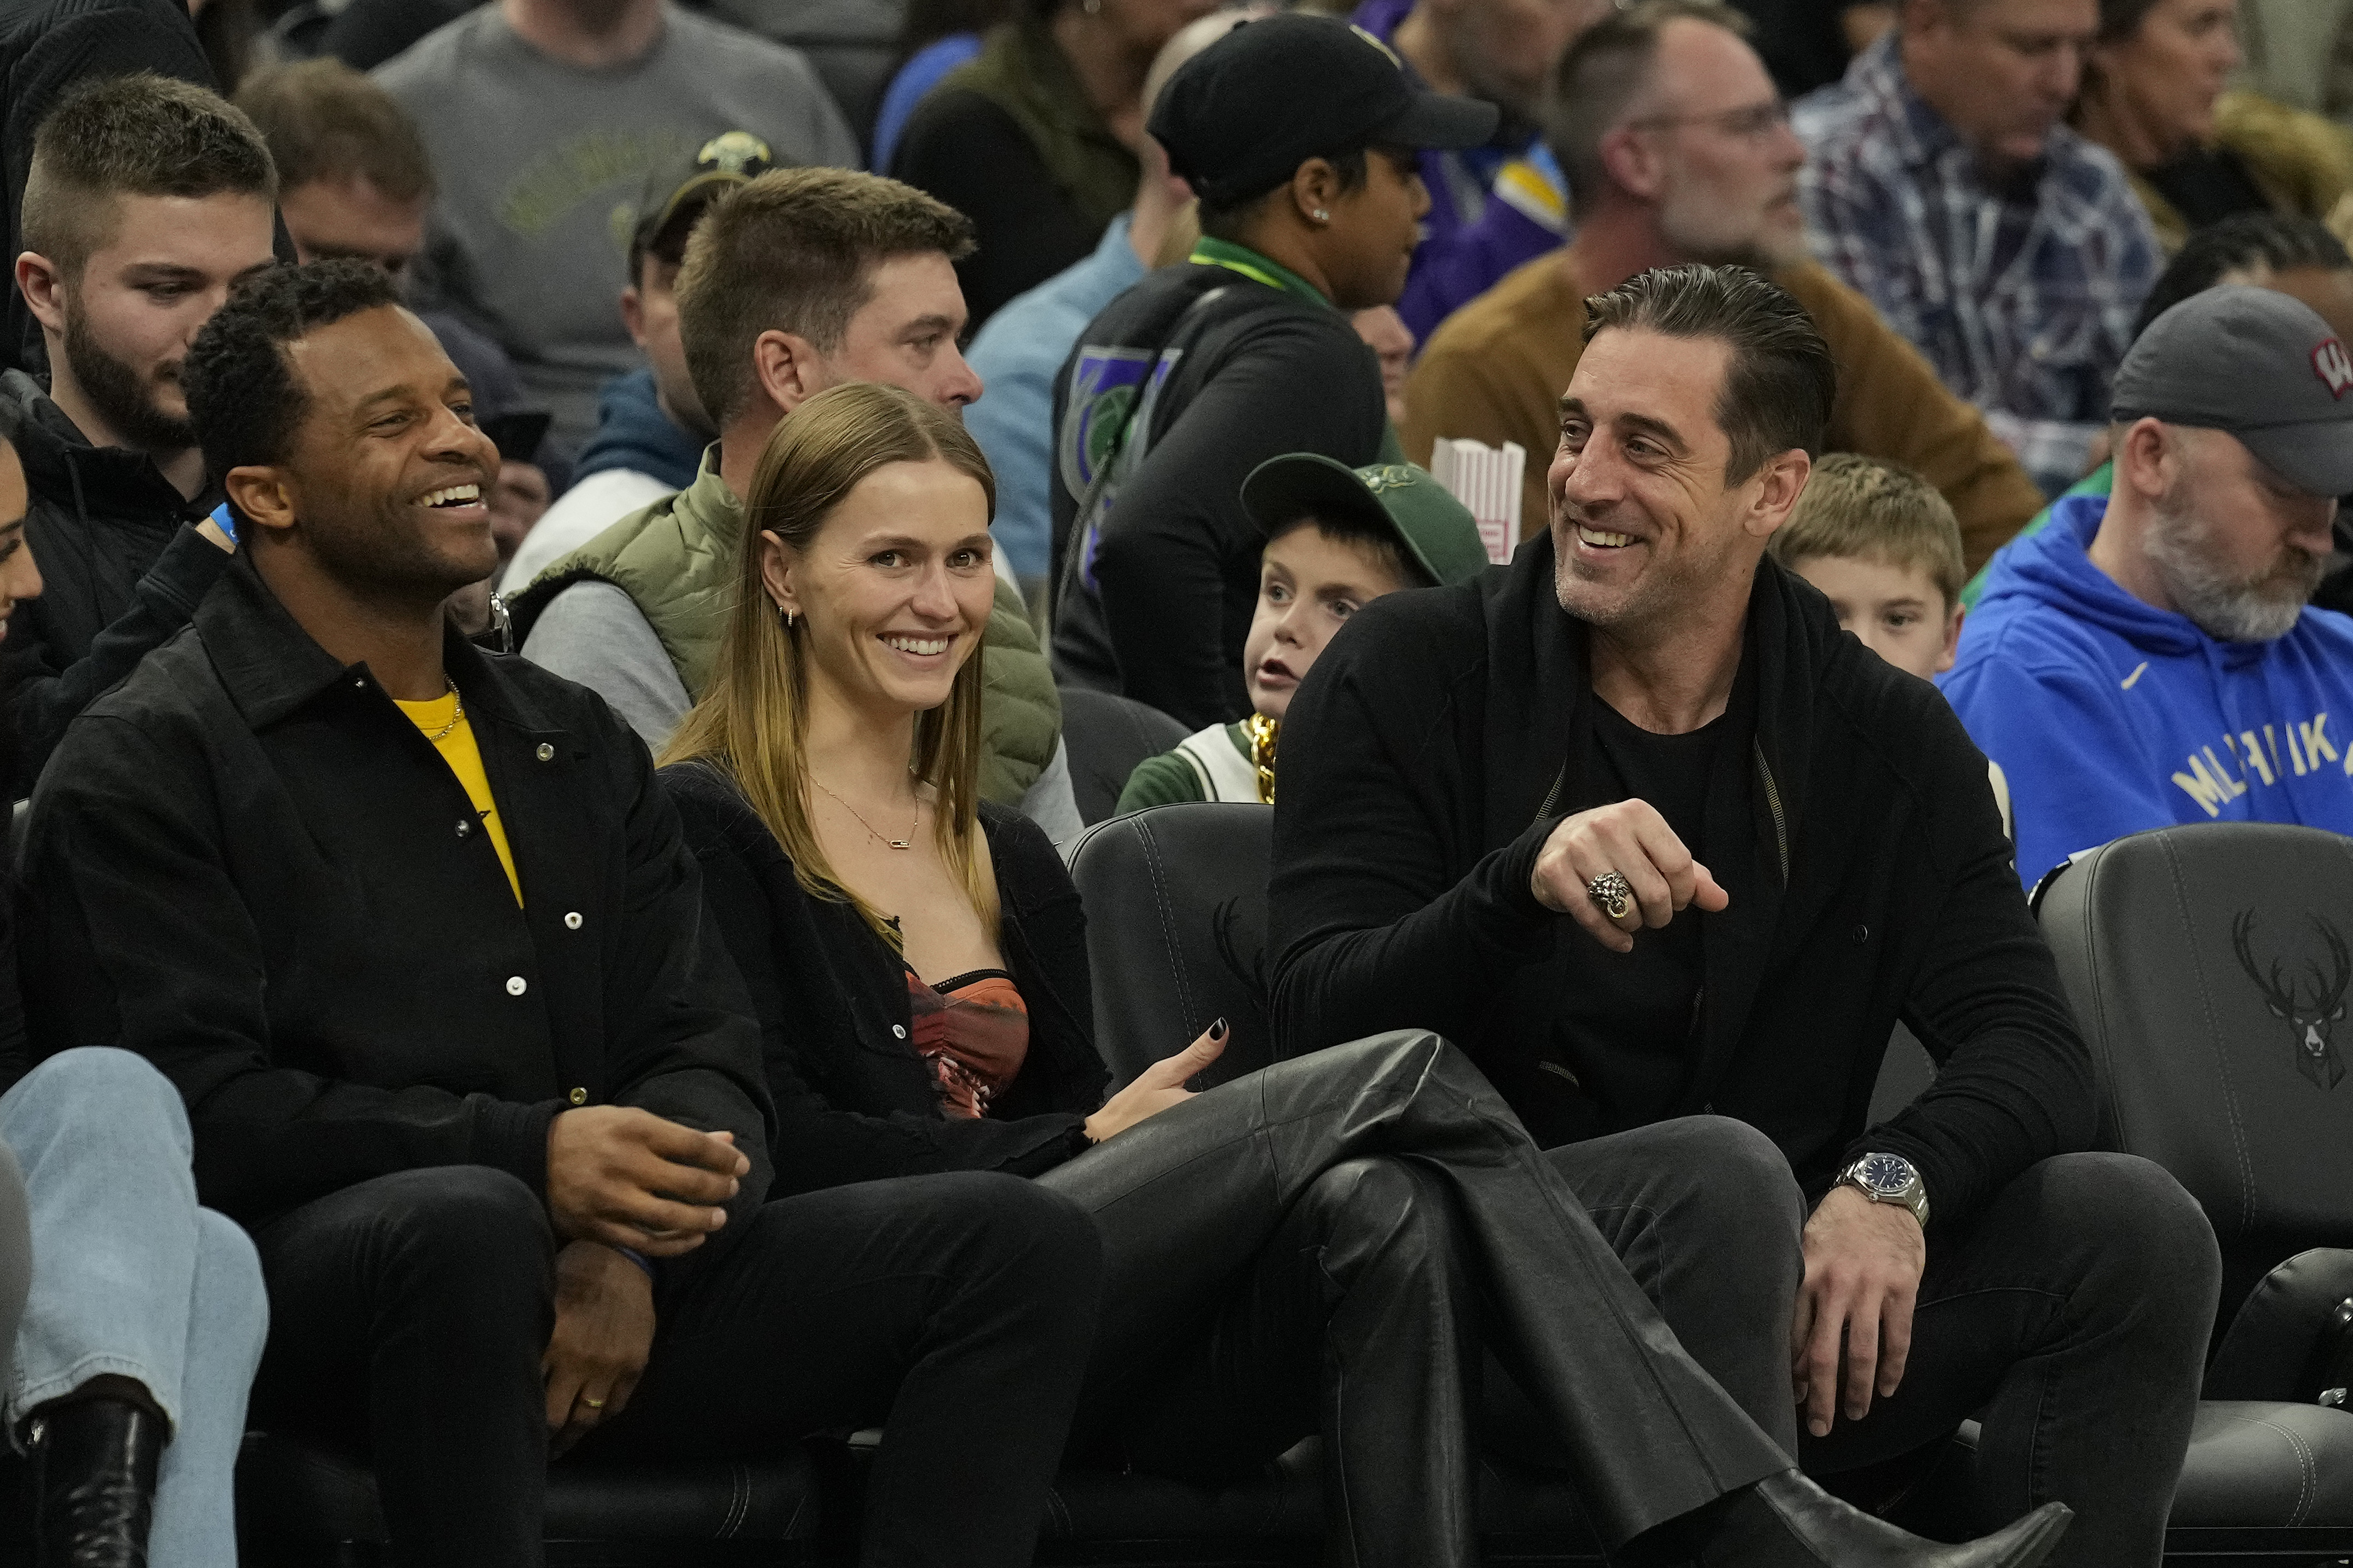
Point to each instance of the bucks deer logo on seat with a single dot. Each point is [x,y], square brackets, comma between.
[2311,1011]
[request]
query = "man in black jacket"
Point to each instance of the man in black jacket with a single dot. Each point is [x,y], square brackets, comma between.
[1198,373]
[416,933]
[148,199]
[1768,845]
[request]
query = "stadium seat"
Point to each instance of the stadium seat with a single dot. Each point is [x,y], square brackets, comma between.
[303,1504]
[1107,736]
[2208,967]
[1176,902]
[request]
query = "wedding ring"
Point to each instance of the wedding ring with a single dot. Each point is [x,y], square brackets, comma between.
[592,1404]
[1612,892]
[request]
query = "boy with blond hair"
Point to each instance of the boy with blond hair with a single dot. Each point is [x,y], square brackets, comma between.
[1884,547]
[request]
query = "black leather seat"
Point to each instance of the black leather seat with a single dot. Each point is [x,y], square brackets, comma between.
[2209,968]
[1176,900]
[1107,735]
[303,1504]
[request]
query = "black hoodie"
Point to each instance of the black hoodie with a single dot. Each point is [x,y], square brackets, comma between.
[121,569]
[1444,733]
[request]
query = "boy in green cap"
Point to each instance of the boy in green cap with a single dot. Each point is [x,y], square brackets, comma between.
[1336,539]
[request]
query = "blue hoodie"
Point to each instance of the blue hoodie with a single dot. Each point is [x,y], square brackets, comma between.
[2110,717]
[633,433]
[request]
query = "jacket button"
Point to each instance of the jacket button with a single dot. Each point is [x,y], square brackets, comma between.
[579,1096]
[572,921]
[546,754]
[465,828]
[517,985]
[900,1030]
[1861,935]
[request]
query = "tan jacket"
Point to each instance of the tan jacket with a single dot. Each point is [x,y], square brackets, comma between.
[1495,369]
[2302,163]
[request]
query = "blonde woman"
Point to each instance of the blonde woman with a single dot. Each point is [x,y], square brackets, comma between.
[1318,1248]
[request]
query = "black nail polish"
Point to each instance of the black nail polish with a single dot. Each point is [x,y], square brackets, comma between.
[1217,1030]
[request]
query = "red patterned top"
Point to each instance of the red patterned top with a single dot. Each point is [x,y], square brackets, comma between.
[973,1032]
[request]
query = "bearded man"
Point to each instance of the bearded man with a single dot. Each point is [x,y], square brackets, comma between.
[1632,823]
[2149,659]
[148,200]
[1678,150]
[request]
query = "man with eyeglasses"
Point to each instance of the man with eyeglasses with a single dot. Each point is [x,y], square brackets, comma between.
[1678,150]
[1943,181]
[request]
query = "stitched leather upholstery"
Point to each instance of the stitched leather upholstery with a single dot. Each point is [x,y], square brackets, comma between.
[1521,1512]
[2183,950]
[294,1492]
[2207,968]
[1176,900]
[1107,735]
[2258,1463]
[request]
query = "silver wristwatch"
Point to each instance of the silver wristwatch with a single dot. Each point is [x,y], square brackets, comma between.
[1889,1179]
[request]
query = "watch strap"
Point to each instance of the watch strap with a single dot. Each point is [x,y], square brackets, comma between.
[1916,1199]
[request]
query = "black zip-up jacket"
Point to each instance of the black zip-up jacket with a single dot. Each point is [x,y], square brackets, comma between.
[249,866]
[122,568]
[1442,735]
[1159,610]
[854,1101]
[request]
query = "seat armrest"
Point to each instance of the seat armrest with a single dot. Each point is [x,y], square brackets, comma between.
[2289,1342]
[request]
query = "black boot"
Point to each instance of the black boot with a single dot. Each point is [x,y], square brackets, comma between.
[1787,1521]
[94,1464]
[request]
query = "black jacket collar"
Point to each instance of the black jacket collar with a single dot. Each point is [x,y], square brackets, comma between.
[95,482]
[272,668]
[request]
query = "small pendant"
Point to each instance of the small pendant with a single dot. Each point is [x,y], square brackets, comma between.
[900,843]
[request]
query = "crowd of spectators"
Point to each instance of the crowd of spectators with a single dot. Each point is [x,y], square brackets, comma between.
[545,546]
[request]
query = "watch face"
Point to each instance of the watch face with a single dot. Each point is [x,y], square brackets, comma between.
[1888,1173]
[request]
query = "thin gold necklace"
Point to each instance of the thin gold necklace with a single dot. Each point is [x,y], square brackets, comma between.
[906,843]
[456,719]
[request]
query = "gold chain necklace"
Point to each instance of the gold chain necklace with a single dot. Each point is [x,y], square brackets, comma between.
[1263,731]
[906,843]
[456,719]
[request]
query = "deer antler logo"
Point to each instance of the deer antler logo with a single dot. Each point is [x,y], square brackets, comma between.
[2309,1014]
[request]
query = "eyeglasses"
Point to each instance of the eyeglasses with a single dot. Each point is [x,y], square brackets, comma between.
[1753,124]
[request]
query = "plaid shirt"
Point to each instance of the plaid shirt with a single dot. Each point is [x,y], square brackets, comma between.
[2025,311]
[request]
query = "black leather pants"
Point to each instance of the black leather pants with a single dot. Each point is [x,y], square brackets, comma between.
[1364,1214]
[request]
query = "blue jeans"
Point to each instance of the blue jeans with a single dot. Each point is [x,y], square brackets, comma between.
[131,1278]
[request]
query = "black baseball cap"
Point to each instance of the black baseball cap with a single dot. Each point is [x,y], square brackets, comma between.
[675,196]
[1245,112]
[2257,365]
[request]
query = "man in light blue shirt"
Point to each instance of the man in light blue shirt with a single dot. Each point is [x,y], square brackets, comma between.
[1017,355]
[1021,349]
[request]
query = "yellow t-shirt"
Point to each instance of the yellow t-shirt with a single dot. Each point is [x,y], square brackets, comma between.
[465,759]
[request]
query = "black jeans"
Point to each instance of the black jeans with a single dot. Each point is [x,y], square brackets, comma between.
[1325,1244]
[408,1315]
[2072,1314]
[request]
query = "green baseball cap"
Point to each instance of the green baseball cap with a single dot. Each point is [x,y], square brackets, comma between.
[1438,532]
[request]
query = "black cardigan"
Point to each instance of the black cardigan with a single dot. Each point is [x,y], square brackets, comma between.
[1869,877]
[853,1100]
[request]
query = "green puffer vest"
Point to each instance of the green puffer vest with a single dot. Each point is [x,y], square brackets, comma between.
[677,559]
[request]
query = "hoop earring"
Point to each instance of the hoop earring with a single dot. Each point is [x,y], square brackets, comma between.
[788,619]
